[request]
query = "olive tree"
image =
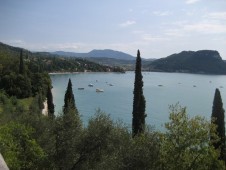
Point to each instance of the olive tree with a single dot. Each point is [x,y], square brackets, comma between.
[186,143]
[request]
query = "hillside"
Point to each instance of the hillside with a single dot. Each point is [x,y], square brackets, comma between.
[107,53]
[44,61]
[203,61]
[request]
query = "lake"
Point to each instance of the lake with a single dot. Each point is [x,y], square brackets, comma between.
[194,91]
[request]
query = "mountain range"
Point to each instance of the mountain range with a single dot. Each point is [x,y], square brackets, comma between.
[202,61]
[107,53]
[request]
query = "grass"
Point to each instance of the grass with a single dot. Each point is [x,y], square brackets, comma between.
[6,102]
[26,102]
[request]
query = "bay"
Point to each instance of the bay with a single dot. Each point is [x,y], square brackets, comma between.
[195,91]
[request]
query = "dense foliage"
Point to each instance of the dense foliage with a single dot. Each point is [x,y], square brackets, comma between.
[186,144]
[35,141]
[139,103]
[16,77]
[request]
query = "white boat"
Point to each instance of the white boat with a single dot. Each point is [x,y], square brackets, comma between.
[99,90]
[90,85]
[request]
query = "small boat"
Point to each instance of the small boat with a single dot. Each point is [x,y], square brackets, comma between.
[90,85]
[99,90]
[160,85]
[194,85]
[110,84]
[81,88]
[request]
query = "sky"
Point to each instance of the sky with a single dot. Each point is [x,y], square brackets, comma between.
[158,28]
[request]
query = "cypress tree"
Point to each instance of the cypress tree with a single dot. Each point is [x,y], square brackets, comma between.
[218,119]
[21,67]
[50,102]
[69,100]
[68,131]
[139,103]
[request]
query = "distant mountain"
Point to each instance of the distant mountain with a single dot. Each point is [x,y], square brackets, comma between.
[203,61]
[98,54]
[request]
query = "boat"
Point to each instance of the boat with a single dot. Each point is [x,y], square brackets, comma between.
[81,88]
[99,90]
[110,84]
[90,85]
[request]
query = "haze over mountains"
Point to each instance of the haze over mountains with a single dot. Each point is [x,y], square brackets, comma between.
[107,53]
[202,61]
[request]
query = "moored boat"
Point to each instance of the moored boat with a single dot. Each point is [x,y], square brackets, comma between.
[99,90]
[81,88]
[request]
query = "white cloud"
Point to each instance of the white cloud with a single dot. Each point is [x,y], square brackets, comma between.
[175,33]
[191,1]
[46,46]
[207,28]
[127,23]
[15,42]
[217,15]
[186,28]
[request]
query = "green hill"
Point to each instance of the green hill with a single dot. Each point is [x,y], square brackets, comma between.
[25,74]
[44,61]
[203,61]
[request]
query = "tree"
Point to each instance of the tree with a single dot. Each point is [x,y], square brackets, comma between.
[21,68]
[218,119]
[139,103]
[68,131]
[50,103]
[186,144]
[141,152]
[69,100]
[19,148]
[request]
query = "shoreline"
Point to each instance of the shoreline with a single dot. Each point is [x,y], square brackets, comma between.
[60,73]
[55,73]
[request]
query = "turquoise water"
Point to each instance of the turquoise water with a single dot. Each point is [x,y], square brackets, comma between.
[194,91]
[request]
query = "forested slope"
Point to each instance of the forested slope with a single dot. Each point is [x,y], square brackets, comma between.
[203,61]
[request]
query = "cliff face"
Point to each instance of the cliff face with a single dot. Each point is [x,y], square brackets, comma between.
[203,61]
